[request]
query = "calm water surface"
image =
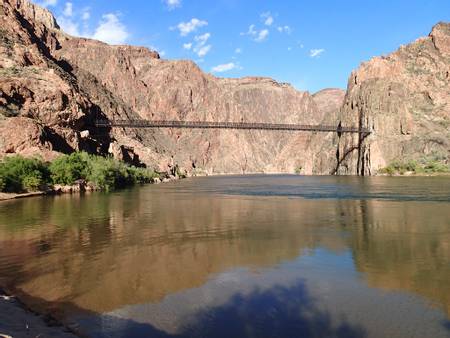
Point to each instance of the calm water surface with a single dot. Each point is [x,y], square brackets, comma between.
[255,256]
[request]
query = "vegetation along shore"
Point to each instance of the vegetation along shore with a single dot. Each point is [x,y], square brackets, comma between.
[77,172]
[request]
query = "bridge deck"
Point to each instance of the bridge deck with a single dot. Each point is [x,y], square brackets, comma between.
[226,125]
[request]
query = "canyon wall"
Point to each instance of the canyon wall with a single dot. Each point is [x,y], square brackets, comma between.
[52,81]
[42,108]
[53,86]
[404,99]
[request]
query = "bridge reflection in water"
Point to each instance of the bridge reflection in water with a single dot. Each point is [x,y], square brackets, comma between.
[228,125]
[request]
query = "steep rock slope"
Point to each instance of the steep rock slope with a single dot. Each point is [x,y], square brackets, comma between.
[404,98]
[157,89]
[42,109]
[53,86]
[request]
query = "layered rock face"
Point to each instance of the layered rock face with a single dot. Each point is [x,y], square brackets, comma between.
[53,86]
[150,88]
[57,84]
[404,98]
[42,108]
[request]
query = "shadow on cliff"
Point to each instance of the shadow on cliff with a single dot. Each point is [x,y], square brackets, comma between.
[277,312]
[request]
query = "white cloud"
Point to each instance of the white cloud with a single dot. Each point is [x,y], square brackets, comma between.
[224,68]
[251,31]
[200,48]
[187,46]
[86,14]
[262,35]
[202,51]
[202,39]
[111,30]
[258,36]
[47,3]
[69,26]
[172,4]
[289,49]
[284,29]
[316,52]
[191,26]
[156,49]
[268,18]
[68,9]
[238,51]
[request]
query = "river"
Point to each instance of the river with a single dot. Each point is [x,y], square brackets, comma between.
[238,256]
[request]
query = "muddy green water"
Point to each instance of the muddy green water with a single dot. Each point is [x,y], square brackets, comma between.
[255,256]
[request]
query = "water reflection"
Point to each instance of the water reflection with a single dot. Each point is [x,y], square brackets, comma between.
[405,246]
[275,312]
[170,258]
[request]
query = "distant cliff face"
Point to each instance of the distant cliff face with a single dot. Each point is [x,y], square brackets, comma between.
[152,88]
[404,98]
[53,86]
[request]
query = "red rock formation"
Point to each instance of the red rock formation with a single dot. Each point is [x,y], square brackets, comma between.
[42,107]
[61,83]
[55,85]
[404,98]
[151,88]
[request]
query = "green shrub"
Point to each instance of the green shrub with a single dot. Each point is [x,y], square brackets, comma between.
[33,182]
[67,169]
[428,166]
[436,167]
[20,174]
[389,170]
[109,174]
[104,172]
[143,175]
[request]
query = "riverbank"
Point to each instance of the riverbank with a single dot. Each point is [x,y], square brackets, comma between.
[71,189]
[9,196]
[78,172]
[17,321]
[414,174]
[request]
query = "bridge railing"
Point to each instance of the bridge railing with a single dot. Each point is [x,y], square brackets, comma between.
[226,125]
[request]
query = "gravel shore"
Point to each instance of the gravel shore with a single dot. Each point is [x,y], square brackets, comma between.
[16,322]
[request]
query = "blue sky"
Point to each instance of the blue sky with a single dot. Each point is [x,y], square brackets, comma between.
[310,44]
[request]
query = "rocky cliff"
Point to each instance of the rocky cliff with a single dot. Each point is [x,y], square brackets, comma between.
[151,88]
[42,108]
[53,86]
[404,98]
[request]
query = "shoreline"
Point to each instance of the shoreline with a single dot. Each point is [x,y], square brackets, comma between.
[4,196]
[19,320]
[75,189]
[68,189]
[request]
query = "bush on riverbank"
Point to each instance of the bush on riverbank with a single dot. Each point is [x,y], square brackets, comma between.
[106,173]
[67,169]
[424,166]
[19,174]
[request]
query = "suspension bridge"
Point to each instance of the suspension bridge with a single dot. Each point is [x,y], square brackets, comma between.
[229,125]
